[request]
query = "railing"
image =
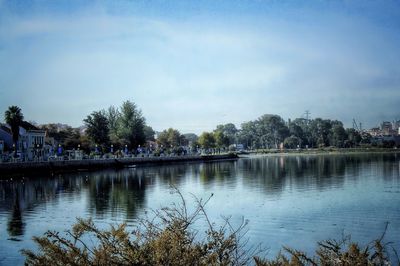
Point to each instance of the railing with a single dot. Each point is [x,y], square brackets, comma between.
[11,159]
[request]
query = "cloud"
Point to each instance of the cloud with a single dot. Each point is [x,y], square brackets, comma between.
[195,73]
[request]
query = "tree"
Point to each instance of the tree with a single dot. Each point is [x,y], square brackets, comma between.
[131,125]
[304,132]
[171,138]
[14,117]
[353,137]
[113,115]
[292,142]
[59,132]
[270,130]
[149,133]
[319,131]
[72,139]
[191,137]
[221,140]
[207,140]
[248,135]
[230,131]
[338,136]
[297,131]
[97,128]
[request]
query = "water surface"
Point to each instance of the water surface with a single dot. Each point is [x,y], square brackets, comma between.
[288,200]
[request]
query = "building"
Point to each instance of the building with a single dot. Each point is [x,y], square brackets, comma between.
[375,131]
[31,142]
[396,126]
[386,128]
[6,138]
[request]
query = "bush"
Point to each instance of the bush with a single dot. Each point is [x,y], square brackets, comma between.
[169,239]
[332,252]
[165,239]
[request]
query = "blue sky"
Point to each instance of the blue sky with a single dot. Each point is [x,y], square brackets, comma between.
[194,64]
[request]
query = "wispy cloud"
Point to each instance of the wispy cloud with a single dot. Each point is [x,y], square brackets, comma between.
[197,72]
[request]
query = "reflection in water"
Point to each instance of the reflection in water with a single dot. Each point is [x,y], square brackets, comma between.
[15,226]
[211,173]
[124,193]
[116,192]
[274,173]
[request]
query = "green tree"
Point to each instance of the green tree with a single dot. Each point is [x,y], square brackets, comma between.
[131,125]
[149,133]
[73,138]
[14,117]
[230,131]
[171,138]
[319,131]
[300,127]
[57,131]
[271,130]
[291,142]
[191,137]
[97,128]
[221,140]
[113,116]
[338,136]
[353,137]
[207,140]
[297,131]
[248,135]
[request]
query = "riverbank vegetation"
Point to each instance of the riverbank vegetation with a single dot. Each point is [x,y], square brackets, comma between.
[124,128]
[170,238]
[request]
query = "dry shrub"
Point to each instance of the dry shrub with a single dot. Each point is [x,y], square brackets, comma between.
[166,239]
[332,252]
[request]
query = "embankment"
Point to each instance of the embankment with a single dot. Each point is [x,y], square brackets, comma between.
[97,164]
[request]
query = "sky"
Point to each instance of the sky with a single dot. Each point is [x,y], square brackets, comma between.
[192,65]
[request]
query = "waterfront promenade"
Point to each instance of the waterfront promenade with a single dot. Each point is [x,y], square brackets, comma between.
[97,164]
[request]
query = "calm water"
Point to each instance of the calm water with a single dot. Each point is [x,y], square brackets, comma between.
[294,200]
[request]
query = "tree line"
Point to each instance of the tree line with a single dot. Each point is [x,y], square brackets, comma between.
[120,127]
[272,132]
[125,127]
[269,131]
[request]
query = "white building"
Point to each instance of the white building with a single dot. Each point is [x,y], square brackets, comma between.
[33,143]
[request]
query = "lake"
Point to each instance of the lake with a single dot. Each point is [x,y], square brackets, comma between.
[291,200]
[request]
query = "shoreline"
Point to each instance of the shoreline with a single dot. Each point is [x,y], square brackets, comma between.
[22,168]
[100,164]
[318,152]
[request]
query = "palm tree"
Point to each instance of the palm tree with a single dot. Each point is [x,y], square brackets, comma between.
[14,117]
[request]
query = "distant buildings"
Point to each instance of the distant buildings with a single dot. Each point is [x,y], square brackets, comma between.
[31,143]
[387,134]
[386,129]
[5,137]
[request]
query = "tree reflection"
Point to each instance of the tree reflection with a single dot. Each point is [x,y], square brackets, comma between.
[273,174]
[173,174]
[218,172]
[15,225]
[117,193]
[123,193]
